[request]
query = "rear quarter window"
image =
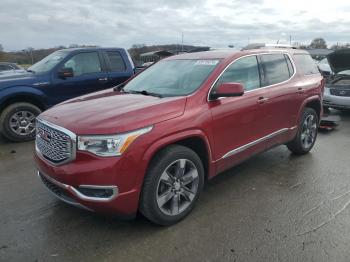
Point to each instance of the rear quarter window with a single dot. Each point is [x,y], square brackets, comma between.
[306,64]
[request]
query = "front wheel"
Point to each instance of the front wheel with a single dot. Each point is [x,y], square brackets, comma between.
[17,122]
[172,185]
[307,133]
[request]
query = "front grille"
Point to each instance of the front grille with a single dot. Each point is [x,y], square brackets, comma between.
[55,145]
[340,92]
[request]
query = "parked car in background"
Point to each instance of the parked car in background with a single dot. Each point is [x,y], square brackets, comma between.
[5,66]
[63,75]
[324,67]
[337,90]
[151,144]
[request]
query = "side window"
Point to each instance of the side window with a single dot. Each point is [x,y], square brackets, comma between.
[116,61]
[275,68]
[306,64]
[84,63]
[244,71]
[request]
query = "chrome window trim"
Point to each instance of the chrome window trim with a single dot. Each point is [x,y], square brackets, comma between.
[81,196]
[265,53]
[72,136]
[253,143]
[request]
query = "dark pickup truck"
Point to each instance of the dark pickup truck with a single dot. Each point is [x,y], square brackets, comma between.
[63,75]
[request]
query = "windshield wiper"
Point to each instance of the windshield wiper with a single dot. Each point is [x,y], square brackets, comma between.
[119,87]
[144,92]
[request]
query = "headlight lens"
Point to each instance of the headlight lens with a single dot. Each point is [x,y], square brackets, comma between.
[110,145]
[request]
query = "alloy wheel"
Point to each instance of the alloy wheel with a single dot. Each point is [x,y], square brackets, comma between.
[177,187]
[309,131]
[22,123]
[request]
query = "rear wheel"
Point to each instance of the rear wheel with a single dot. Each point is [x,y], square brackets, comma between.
[172,185]
[17,121]
[307,133]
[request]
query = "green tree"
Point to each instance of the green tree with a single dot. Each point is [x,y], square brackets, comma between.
[318,43]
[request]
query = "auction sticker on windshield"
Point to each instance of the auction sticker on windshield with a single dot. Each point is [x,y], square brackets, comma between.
[207,62]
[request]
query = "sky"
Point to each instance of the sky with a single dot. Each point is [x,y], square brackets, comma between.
[215,23]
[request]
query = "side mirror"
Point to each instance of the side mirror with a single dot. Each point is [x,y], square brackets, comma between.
[228,90]
[65,72]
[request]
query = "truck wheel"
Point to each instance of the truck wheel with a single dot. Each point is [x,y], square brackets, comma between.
[17,121]
[307,133]
[172,185]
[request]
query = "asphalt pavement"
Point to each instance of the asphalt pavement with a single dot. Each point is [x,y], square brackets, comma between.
[273,207]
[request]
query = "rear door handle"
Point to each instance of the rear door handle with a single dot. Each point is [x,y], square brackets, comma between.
[263,100]
[301,90]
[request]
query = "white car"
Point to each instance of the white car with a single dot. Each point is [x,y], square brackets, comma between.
[337,89]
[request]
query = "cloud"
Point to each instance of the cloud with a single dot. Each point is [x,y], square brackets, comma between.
[217,23]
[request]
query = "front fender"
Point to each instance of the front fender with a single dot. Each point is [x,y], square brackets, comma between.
[22,91]
[172,139]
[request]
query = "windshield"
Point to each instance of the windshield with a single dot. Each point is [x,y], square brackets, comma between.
[172,77]
[48,62]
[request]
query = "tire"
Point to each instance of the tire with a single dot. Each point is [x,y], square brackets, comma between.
[307,133]
[161,191]
[17,121]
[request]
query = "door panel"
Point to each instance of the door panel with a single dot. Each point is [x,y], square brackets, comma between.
[238,121]
[284,100]
[89,76]
[118,71]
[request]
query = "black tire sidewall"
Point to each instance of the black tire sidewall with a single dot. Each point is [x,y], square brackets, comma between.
[5,117]
[149,206]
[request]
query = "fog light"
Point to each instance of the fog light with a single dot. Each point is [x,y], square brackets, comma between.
[96,192]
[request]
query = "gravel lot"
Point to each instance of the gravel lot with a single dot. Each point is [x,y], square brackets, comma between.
[274,207]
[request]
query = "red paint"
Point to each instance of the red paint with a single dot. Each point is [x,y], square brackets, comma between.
[222,124]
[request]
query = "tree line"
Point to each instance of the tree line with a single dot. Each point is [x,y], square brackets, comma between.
[31,55]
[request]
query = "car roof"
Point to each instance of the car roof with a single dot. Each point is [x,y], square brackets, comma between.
[226,54]
[90,48]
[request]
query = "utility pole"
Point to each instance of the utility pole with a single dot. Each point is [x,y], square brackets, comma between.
[31,56]
[290,39]
[182,42]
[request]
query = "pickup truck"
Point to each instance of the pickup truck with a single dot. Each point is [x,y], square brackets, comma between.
[62,75]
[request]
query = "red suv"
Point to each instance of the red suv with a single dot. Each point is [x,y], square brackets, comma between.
[150,144]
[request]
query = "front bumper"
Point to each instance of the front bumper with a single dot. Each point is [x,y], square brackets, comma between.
[68,182]
[62,191]
[341,102]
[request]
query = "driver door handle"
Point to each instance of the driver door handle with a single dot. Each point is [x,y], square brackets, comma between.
[301,90]
[104,79]
[263,100]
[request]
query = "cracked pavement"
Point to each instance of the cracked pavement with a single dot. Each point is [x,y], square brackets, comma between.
[273,207]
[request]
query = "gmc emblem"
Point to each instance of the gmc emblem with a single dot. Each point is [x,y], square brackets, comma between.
[44,135]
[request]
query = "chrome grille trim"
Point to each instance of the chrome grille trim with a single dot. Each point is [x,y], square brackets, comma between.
[60,148]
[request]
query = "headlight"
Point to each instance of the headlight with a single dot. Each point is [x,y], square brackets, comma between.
[109,145]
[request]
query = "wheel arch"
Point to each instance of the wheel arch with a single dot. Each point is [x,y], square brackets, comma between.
[23,97]
[196,140]
[314,103]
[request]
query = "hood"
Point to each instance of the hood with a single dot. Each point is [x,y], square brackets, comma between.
[111,112]
[18,77]
[339,60]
